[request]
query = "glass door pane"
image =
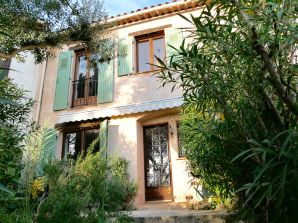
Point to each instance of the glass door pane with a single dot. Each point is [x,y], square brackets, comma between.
[90,136]
[81,76]
[72,145]
[157,163]
[93,77]
[143,56]
[159,49]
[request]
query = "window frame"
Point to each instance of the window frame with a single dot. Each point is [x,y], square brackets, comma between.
[150,37]
[79,128]
[86,100]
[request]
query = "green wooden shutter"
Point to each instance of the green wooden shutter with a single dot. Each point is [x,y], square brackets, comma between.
[48,150]
[125,62]
[62,81]
[103,134]
[105,82]
[2,73]
[174,38]
[4,68]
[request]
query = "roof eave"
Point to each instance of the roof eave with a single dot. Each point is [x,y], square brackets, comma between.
[154,11]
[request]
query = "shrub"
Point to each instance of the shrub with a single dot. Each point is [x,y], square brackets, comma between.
[238,74]
[14,112]
[94,188]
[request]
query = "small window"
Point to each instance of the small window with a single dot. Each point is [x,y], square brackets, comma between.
[77,143]
[181,149]
[149,46]
[85,81]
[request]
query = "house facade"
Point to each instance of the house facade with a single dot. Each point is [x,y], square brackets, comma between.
[124,102]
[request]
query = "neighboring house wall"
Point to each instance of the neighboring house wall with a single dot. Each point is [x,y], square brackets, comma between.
[138,100]
[25,75]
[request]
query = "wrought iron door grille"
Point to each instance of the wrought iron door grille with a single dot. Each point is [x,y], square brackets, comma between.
[157,163]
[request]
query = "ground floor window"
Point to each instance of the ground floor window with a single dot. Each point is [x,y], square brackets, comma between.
[77,142]
[181,149]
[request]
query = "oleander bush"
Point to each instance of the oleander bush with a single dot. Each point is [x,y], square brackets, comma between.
[237,68]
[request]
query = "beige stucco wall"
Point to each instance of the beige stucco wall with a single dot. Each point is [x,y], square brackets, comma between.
[130,89]
[125,138]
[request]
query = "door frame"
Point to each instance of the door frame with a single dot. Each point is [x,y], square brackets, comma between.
[169,155]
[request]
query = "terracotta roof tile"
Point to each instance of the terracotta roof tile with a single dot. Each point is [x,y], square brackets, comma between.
[152,6]
[169,7]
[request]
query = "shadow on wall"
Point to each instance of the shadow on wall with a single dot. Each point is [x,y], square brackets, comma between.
[141,88]
[124,146]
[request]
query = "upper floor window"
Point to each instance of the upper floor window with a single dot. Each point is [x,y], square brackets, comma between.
[148,46]
[85,81]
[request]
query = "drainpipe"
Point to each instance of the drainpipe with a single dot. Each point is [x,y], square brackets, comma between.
[41,90]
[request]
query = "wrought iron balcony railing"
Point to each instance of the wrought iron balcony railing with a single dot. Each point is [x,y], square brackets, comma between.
[84,92]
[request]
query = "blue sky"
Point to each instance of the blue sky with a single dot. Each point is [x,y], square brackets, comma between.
[115,7]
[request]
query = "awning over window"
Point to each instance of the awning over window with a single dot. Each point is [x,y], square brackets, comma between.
[120,110]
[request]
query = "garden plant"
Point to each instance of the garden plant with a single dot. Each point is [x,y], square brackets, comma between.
[237,69]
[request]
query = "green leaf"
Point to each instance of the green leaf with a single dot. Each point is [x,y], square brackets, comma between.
[254,142]
[242,154]
[5,189]
[6,101]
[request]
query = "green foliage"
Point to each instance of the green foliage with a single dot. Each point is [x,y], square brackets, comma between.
[275,175]
[33,162]
[14,112]
[91,190]
[38,25]
[209,159]
[239,78]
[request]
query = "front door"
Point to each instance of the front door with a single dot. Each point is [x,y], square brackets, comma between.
[158,185]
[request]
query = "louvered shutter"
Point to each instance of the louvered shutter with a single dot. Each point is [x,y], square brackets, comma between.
[4,67]
[174,38]
[48,150]
[125,61]
[62,81]
[103,134]
[105,82]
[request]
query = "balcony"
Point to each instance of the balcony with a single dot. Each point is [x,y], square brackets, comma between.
[84,92]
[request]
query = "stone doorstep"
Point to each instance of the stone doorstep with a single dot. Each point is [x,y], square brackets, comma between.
[171,212]
[189,219]
[176,213]
[164,205]
[178,216]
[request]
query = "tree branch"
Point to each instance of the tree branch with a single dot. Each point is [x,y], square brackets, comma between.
[32,47]
[275,75]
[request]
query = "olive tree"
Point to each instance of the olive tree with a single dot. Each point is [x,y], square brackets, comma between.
[39,25]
